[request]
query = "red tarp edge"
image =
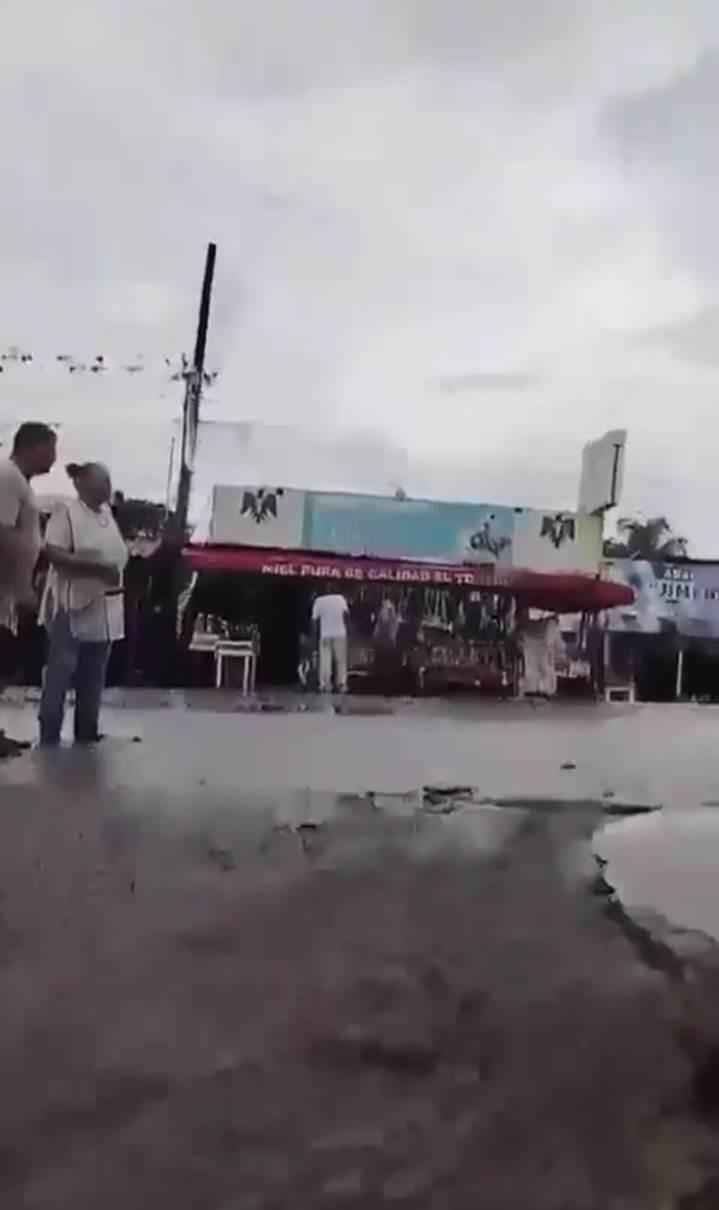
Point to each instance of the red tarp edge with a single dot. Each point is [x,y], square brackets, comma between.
[554,591]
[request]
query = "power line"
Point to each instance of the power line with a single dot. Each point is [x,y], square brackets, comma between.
[172,368]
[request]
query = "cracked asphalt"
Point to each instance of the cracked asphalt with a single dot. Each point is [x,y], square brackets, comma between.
[248,962]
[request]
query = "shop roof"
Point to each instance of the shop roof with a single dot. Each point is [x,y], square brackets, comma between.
[554,592]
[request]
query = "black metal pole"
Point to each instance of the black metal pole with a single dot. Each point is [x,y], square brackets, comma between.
[193,395]
[204,316]
[188,443]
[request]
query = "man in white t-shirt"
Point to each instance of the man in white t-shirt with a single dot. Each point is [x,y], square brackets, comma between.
[329,613]
[33,453]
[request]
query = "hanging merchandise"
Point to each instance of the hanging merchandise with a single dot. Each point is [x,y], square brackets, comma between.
[460,618]
[436,609]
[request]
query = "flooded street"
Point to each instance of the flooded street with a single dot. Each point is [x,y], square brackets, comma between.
[324,960]
[666,863]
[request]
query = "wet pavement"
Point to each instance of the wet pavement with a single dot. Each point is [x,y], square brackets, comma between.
[331,960]
[648,755]
[663,870]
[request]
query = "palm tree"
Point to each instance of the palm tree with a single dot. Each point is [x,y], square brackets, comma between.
[653,540]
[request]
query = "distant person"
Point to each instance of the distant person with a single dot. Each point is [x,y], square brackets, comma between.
[82,606]
[33,453]
[386,655]
[387,624]
[158,627]
[595,650]
[329,613]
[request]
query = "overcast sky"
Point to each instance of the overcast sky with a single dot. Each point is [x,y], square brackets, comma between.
[484,228]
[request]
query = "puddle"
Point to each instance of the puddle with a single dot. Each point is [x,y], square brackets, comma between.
[665,865]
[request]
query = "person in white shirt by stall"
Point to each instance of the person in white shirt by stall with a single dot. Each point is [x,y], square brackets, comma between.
[82,607]
[329,613]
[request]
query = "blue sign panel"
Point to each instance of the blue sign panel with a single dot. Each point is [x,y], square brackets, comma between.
[410,529]
[669,598]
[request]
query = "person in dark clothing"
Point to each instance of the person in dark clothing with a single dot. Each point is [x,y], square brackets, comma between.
[157,622]
[595,656]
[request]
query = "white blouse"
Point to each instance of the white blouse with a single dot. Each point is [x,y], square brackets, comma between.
[95,612]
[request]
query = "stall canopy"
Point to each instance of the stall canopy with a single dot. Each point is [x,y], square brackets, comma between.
[554,592]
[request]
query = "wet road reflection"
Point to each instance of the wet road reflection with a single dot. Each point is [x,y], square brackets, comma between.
[666,863]
[265,963]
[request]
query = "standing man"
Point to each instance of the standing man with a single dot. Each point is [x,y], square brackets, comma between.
[329,613]
[33,453]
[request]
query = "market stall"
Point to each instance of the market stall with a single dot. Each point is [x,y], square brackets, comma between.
[413,626]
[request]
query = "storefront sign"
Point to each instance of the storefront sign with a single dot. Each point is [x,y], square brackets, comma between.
[383,574]
[554,592]
[670,598]
[561,541]
[382,527]
[257,516]
[295,565]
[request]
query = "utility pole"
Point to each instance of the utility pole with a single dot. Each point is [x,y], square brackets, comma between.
[170,663]
[193,396]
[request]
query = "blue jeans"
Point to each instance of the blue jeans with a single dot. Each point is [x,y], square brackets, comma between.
[72,663]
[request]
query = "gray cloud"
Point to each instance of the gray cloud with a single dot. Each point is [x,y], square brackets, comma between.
[671,124]
[289,47]
[667,142]
[695,339]
[402,193]
[498,381]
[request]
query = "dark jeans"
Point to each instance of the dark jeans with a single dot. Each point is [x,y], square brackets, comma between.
[72,663]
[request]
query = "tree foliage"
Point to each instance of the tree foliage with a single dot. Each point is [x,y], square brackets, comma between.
[138,518]
[652,539]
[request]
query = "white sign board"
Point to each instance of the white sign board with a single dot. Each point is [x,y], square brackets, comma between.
[254,515]
[557,542]
[602,477]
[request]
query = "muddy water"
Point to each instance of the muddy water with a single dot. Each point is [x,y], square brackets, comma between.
[667,864]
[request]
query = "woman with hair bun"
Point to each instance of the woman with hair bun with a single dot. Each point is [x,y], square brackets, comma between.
[82,606]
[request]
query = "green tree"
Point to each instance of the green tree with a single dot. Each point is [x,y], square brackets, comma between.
[138,518]
[653,540]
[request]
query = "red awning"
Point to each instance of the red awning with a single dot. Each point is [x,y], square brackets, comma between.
[555,592]
[563,592]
